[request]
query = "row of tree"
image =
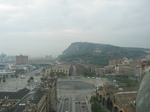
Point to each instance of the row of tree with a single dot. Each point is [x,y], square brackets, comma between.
[95,105]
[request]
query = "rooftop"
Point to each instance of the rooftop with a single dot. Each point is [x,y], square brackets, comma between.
[14,95]
[33,96]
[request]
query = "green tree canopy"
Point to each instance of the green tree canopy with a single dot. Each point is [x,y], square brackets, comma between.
[96,107]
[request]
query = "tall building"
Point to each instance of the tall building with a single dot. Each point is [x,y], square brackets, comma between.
[21,59]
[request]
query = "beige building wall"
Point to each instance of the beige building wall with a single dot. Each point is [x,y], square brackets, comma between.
[41,107]
[120,67]
[58,68]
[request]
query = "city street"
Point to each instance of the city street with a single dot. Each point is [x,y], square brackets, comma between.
[74,101]
[74,94]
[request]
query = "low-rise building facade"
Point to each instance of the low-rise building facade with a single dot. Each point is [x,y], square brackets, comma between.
[57,69]
[119,100]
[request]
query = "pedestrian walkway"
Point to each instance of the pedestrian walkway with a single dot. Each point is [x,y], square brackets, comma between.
[15,84]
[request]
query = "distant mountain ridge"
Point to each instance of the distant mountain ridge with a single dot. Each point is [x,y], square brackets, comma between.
[99,54]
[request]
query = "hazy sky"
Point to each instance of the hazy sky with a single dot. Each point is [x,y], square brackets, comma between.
[42,27]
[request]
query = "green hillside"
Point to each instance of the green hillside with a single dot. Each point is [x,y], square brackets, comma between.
[99,54]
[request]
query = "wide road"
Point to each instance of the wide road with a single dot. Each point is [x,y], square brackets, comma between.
[65,104]
[74,92]
[80,102]
[74,99]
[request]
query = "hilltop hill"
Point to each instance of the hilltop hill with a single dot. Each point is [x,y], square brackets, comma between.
[99,54]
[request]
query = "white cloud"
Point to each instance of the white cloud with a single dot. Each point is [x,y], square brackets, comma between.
[6,7]
[57,23]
